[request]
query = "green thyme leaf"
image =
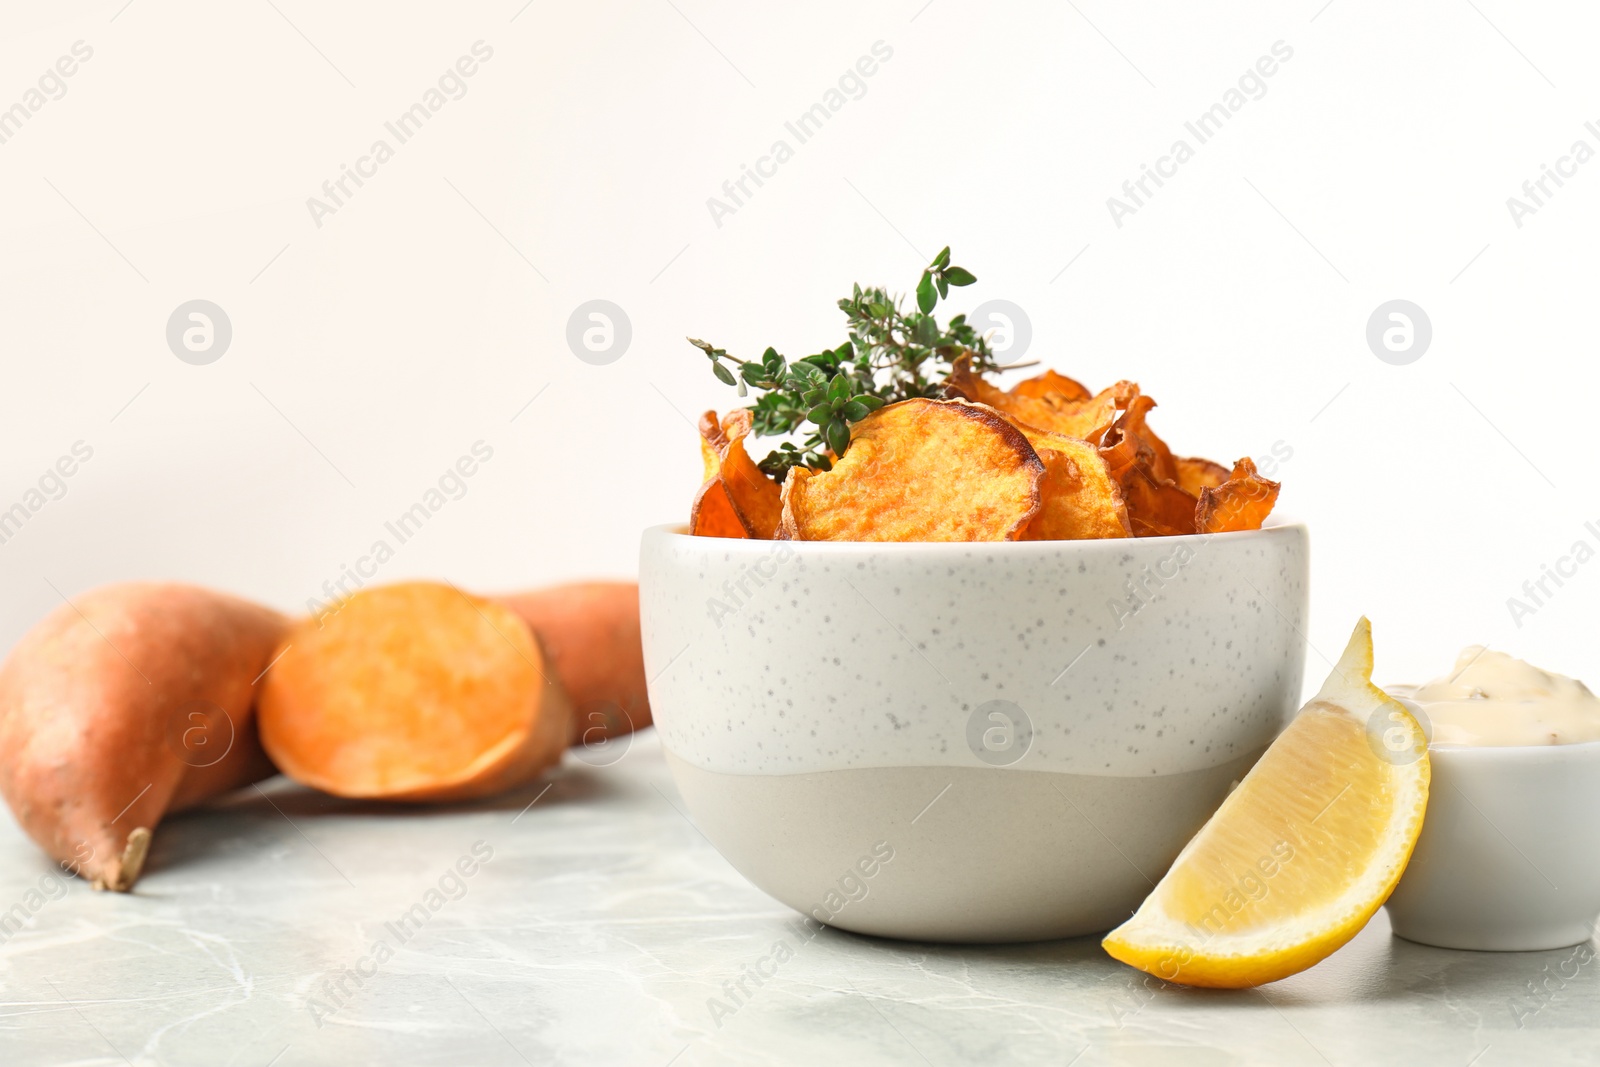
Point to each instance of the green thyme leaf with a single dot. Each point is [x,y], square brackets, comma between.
[887,356]
[838,436]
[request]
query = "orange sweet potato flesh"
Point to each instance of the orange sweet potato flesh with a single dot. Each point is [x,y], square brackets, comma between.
[414,692]
[590,633]
[131,701]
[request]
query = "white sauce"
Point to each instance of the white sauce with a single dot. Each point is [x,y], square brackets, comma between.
[1495,699]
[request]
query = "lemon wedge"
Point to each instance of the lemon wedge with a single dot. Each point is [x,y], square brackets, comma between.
[1302,853]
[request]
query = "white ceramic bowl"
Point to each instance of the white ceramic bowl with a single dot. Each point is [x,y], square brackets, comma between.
[1509,857]
[967,742]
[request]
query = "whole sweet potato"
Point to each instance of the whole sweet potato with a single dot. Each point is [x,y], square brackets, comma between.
[590,631]
[134,700]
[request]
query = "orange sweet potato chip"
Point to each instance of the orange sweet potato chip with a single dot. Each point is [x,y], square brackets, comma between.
[737,499]
[1163,464]
[1157,509]
[1243,502]
[1195,474]
[756,498]
[1079,499]
[1045,460]
[1157,505]
[920,470]
[712,514]
[713,443]
[1050,384]
[1085,418]
[1124,444]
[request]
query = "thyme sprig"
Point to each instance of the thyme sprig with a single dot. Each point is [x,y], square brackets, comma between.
[889,355]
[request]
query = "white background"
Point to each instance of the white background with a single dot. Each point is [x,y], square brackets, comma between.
[372,351]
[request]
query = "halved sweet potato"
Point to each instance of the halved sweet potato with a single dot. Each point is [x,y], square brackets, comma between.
[414,691]
[920,470]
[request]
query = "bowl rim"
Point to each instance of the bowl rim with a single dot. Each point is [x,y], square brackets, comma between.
[679,531]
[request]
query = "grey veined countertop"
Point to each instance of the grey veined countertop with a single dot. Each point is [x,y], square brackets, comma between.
[597,925]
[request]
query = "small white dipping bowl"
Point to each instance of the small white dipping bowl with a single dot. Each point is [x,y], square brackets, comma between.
[967,742]
[1509,857]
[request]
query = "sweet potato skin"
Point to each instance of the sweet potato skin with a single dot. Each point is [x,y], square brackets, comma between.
[96,738]
[590,632]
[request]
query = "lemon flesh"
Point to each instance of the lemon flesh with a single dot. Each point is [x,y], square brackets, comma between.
[1300,855]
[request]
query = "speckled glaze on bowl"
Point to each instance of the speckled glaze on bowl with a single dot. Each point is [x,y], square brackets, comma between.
[967,742]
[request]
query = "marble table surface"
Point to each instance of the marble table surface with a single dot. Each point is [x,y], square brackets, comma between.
[597,925]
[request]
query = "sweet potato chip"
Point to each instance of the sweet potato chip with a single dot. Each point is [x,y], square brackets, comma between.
[1195,474]
[756,498]
[1157,509]
[1044,460]
[920,470]
[1120,450]
[1125,443]
[1085,418]
[713,442]
[1079,499]
[1050,384]
[712,514]
[1157,506]
[1163,464]
[1243,502]
[737,499]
